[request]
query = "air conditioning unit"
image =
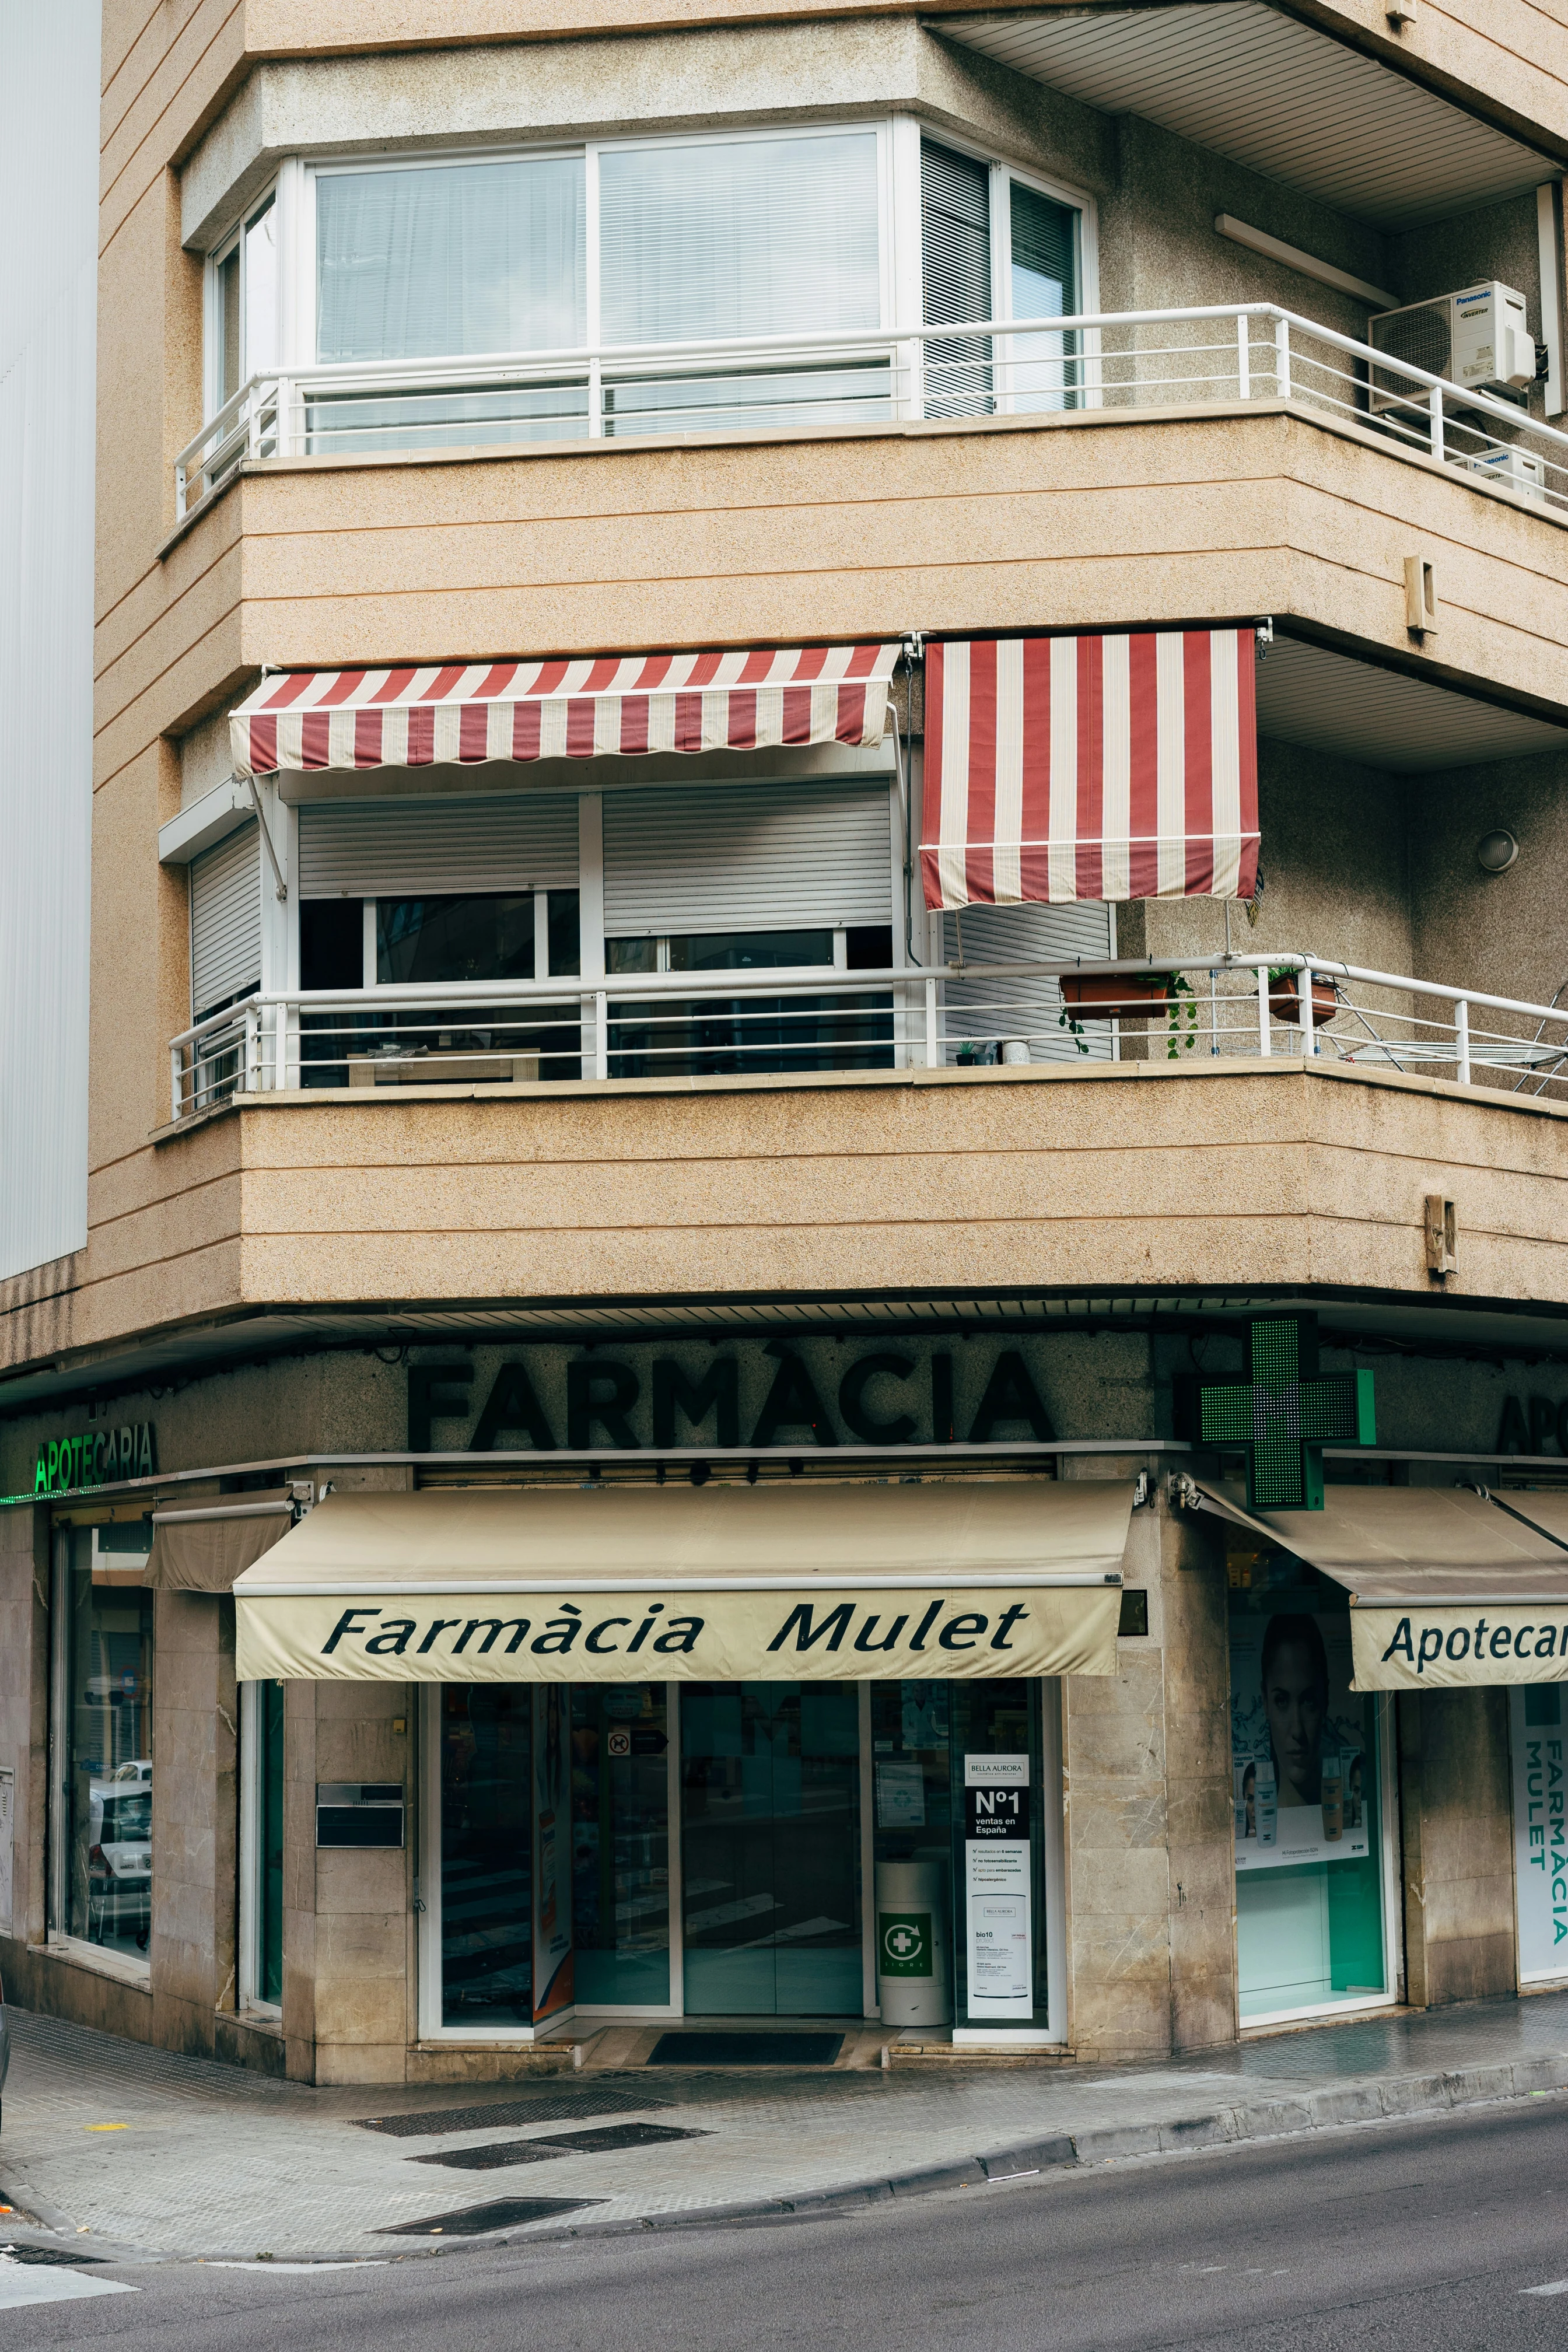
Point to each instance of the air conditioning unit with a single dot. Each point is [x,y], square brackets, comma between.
[1480,339]
[1519,470]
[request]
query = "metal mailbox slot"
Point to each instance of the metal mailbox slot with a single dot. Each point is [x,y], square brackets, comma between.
[358,1813]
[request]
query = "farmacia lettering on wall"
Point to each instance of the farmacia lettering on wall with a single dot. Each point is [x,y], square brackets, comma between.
[1540,1832]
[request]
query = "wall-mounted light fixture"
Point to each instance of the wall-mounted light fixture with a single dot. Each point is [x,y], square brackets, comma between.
[1496,851]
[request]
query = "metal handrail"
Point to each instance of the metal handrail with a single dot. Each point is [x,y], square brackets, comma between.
[591,362]
[813,979]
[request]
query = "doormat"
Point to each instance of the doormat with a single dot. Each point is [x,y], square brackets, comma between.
[538,2151]
[745,2049]
[504,2214]
[549,2107]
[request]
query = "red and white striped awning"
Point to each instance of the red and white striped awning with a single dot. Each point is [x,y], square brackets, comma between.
[463,714]
[1106,767]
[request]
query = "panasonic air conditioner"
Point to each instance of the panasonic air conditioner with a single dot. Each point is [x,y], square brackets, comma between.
[1478,339]
[1518,470]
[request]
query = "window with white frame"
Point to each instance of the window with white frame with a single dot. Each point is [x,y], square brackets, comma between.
[996,245]
[242,305]
[471,300]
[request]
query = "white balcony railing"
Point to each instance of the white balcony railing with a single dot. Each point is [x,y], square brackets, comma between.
[697,1027]
[1237,352]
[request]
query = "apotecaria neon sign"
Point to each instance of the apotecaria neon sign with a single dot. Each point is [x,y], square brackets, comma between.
[95,1457]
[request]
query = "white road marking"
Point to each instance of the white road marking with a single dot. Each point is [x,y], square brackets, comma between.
[23,2283]
[1552,2286]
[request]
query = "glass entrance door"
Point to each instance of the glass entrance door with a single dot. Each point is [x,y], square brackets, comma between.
[769,1778]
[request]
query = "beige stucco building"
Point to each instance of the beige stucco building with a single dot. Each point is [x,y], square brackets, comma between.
[582,504]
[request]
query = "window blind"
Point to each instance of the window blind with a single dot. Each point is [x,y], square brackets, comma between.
[438,842]
[450,259]
[1043,283]
[955,224]
[758,857]
[749,236]
[225,920]
[1027,1008]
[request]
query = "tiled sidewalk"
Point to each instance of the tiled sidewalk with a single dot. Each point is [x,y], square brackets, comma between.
[174,2156]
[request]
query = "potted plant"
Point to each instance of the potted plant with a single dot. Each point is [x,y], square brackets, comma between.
[1285,998]
[1122,996]
[1114,995]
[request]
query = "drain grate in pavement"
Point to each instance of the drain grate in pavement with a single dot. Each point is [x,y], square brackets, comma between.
[503,2213]
[491,2159]
[563,2109]
[56,2257]
[746,2050]
[538,2151]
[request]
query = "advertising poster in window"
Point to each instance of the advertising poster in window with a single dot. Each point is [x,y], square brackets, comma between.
[1303,1773]
[996,1887]
[1540,1830]
[552,1984]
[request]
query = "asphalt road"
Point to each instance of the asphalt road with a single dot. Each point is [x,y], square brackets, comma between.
[1430,2234]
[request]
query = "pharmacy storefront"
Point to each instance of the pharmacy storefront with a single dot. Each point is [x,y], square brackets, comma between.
[782,1748]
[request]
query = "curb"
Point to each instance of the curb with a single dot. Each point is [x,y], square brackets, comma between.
[1375,2100]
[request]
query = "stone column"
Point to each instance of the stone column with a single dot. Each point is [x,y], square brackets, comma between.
[195,1818]
[1456,1825]
[1151,1862]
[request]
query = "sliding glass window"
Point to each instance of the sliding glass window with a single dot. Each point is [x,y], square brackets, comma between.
[454,261]
[753,238]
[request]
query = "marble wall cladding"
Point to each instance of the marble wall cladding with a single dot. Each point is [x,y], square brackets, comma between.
[23,1712]
[1456,1825]
[1198,1785]
[300,1879]
[1118,1874]
[362,1908]
[196,1801]
[1151,1878]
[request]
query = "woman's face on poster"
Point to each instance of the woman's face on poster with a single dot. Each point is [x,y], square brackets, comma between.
[1296,1702]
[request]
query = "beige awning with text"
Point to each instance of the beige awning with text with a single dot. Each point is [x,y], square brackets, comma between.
[1449,1587]
[814,1582]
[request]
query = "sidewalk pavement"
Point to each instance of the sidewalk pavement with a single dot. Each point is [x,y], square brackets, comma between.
[139,2153]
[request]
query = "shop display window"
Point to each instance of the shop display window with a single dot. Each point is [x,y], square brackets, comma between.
[620,1844]
[486,1806]
[771,1849]
[1306,1756]
[949,1761]
[103,1663]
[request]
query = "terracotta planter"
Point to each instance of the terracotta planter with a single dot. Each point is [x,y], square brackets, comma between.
[1285,1003]
[1114,996]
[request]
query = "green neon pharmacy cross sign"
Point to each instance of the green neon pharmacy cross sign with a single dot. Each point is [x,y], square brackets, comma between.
[1285,1412]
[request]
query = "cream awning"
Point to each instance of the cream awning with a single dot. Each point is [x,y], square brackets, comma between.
[810,1581]
[1448,1586]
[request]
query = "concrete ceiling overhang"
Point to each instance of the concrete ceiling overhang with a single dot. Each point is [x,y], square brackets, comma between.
[1290,102]
[1489,1330]
[1327,701]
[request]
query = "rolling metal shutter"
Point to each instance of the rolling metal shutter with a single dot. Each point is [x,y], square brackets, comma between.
[225,920]
[746,858]
[445,842]
[1027,1008]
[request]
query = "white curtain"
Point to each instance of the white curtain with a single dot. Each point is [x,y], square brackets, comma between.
[750,237]
[449,260]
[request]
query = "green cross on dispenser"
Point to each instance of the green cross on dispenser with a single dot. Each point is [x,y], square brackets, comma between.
[1285,1412]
